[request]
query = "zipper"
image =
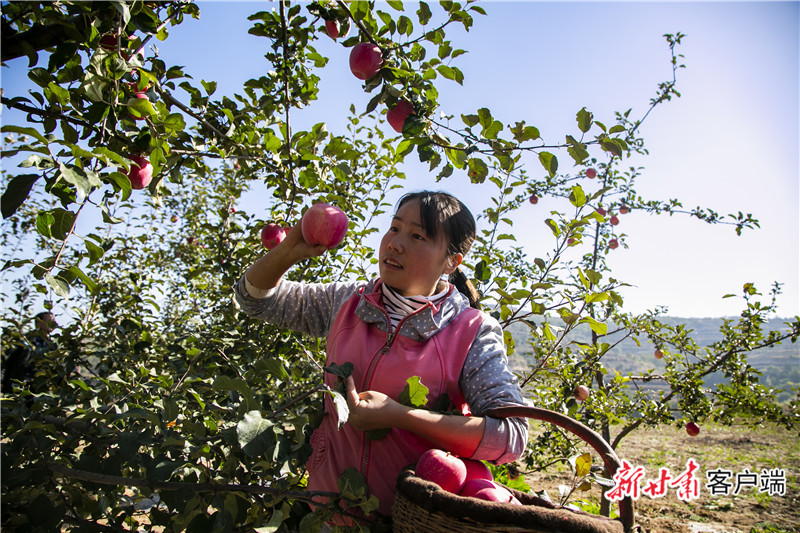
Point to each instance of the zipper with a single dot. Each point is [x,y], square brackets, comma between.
[390,337]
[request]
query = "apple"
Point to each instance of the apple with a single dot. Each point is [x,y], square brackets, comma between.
[692,429]
[141,172]
[624,210]
[533,199]
[332,27]
[397,115]
[174,218]
[614,220]
[477,470]
[365,60]
[581,392]
[571,241]
[613,244]
[601,211]
[472,486]
[443,468]
[324,224]
[659,354]
[272,235]
[497,494]
[591,173]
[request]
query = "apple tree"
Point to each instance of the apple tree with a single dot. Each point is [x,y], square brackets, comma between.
[162,406]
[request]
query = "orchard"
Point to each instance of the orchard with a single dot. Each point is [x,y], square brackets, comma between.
[122,193]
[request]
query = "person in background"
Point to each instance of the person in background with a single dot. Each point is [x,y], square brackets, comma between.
[19,362]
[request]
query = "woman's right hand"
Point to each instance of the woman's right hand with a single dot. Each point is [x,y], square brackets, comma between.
[296,247]
[269,269]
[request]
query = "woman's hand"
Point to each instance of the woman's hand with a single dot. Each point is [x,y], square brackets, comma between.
[370,409]
[270,268]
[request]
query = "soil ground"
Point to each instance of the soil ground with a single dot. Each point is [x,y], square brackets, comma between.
[738,449]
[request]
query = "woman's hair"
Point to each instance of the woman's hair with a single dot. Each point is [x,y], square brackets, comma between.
[444,215]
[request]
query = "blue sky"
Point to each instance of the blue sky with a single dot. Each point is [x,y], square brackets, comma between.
[730,143]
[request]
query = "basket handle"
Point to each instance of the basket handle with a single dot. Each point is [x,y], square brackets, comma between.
[588,435]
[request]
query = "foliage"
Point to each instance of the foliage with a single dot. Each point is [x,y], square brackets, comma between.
[160,386]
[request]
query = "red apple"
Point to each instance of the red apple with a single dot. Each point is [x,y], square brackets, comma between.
[692,429]
[591,173]
[497,494]
[332,27]
[533,199]
[601,211]
[442,468]
[581,392]
[397,115]
[614,220]
[613,244]
[324,224]
[272,235]
[141,172]
[659,354]
[623,210]
[571,241]
[472,486]
[477,470]
[174,218]
[365,60]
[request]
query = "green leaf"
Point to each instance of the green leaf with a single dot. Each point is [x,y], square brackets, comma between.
[577,197]
[343,371]
[89,282]
[226,383]
[415,394]
[598,327]
[424,13]
[255,434]
[549,162]
[395,4]
[553,226]
[60,287]
[16,192]
[583,464]
[584,120]
[477,170]
[61,224]
[470,120]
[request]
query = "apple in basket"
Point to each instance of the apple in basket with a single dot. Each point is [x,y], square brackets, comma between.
[477,470]
[473,486]
[443,468]
[497,494]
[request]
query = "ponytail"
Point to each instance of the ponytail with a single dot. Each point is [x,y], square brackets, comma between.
[465,287]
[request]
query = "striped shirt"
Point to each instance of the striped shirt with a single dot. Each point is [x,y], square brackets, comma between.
[399,306]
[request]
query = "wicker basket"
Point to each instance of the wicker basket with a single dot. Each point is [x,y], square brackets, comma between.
[421,506]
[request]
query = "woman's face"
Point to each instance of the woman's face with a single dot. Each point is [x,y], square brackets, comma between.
[410,261]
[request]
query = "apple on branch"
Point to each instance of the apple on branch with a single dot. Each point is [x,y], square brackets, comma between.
[581,393]
[332,28]
[365,60]
[613,244]
[397,115]
[591,173]
[141,172]
[272,235]
[613,220]
[533,199]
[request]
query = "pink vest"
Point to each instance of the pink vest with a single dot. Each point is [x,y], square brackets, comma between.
[383,363]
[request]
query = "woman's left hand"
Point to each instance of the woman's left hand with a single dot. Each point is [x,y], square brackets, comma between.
[370,409]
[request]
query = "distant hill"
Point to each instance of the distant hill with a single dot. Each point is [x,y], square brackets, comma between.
[780,365]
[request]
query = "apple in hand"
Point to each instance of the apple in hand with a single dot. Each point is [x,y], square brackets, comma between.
[141,172]
[332,27]
[398,114]
[365,60]
[324,224]
[443,468]
[692,429]
[591,173]
[581,392]
[272,235]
